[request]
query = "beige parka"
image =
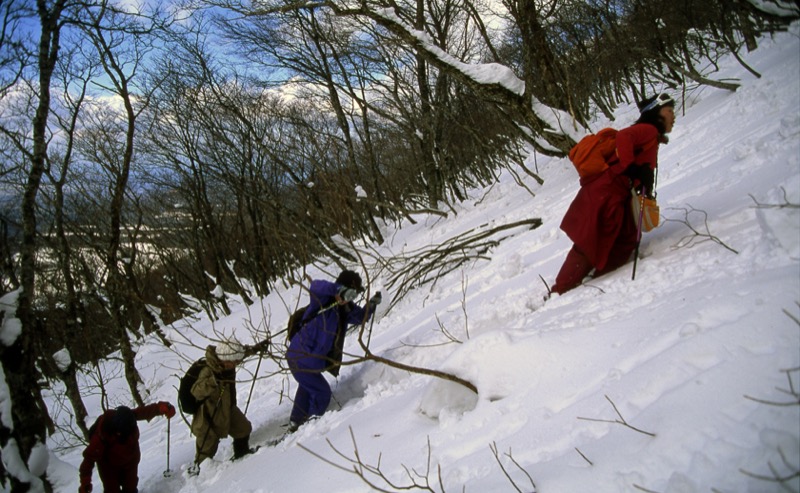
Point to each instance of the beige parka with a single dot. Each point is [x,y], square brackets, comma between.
[218,416]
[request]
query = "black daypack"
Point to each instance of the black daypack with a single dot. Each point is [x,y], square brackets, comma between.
[186,401]
[296,322]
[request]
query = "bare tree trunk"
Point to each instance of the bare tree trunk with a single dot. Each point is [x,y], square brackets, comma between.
[426,138]
[72,329]
[116,284]
[29,414]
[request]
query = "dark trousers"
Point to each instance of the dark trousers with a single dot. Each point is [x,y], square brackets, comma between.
[118,479]
[576,266]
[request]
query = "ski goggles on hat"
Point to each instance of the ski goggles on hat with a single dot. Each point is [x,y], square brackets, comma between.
[661,100]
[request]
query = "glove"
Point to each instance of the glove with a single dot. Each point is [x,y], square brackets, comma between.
[347,294]
[261,347]
[85,487]
[376,299]
[166,409]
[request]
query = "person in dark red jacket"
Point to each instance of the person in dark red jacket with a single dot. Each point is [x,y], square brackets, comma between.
[114,447]
[599,221]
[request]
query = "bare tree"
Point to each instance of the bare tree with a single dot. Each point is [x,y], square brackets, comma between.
[122,41]
[206,129]
[74,71]
[29,417]
[648,37]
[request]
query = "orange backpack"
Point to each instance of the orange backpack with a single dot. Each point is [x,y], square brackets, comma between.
[591,155]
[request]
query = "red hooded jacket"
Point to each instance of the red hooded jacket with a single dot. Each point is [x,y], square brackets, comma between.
[600,215]
[115,458]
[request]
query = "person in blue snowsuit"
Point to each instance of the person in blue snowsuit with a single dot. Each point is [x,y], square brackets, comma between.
[317,346]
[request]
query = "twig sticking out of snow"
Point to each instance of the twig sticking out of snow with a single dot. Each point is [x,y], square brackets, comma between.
[584,457]
[697,236]
[496,454]
[792,470]
[785,204]
[620,421]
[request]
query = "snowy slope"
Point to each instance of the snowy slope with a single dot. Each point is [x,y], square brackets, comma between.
[679,354]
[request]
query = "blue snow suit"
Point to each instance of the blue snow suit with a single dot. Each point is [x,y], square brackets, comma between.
[309,349]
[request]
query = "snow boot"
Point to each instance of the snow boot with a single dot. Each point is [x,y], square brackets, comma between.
[241,447]
[293,426]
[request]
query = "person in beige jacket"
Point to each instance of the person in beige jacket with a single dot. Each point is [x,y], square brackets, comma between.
[219,417]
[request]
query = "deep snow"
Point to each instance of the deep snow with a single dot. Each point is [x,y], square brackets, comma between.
[681,352]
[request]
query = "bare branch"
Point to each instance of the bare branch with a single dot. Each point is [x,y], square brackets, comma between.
[775,476]
[584,457]
[621,420]
[369,473]
[464,283]
[791,471]
[784,204]
[493,447]
[793,317]
[423,371]
[791,391]
[697,237]
[427,265]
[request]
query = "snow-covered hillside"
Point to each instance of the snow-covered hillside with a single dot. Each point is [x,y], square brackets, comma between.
[667,383]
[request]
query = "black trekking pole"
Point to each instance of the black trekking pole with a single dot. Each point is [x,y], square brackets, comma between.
[167,471]
[373,312]
[252,385]
[195,469]
[638,232]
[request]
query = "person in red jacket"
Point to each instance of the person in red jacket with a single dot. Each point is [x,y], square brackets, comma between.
[599,221]
[114,447]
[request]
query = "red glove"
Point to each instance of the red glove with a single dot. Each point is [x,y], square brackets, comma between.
[166,409]
[85,487]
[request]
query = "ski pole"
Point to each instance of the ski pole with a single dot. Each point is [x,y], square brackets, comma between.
[196,466]
[167,471]
[371,323]
[638,232]
[255,376]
